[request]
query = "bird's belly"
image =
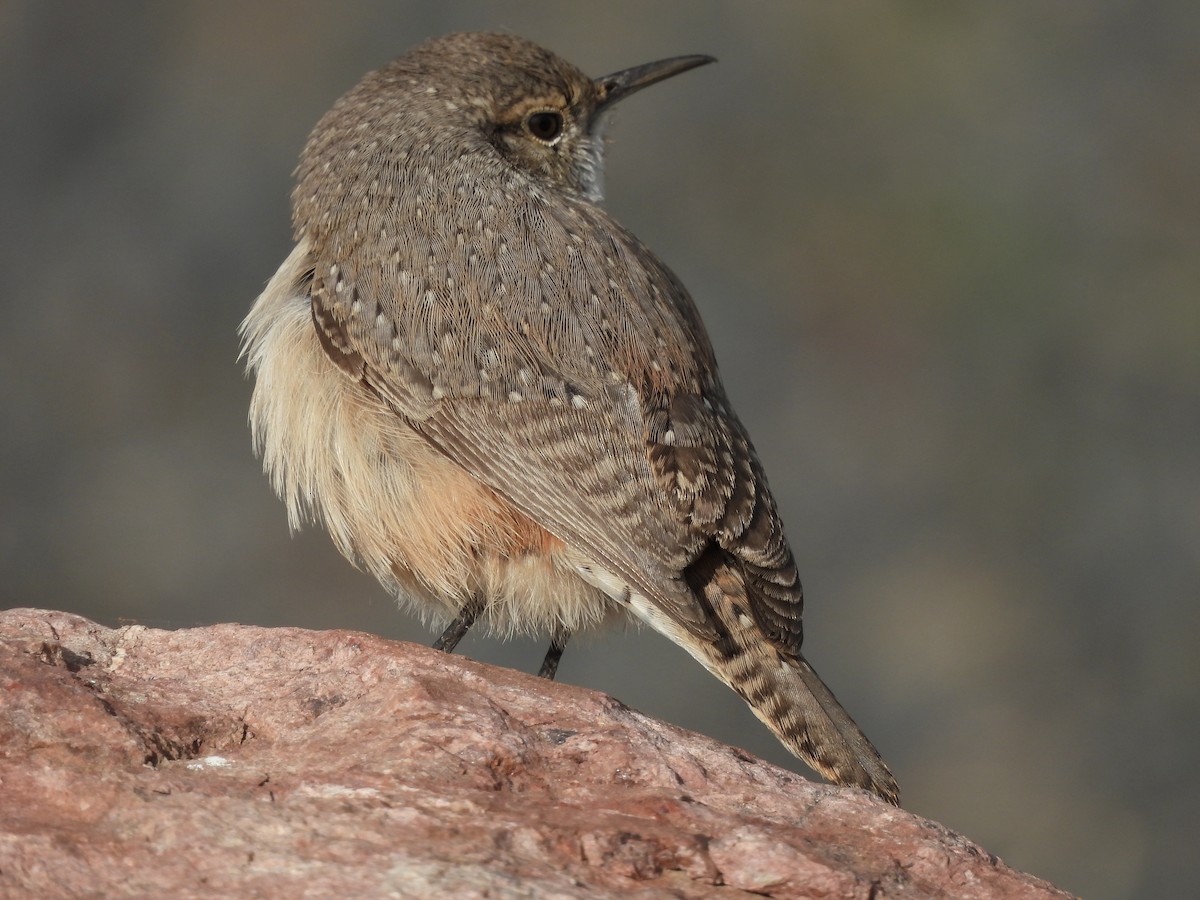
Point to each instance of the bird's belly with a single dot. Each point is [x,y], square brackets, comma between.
[392,503]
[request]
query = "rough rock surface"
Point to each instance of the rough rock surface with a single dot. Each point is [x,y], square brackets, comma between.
[252,762]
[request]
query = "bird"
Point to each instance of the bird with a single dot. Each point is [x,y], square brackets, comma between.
[504,406]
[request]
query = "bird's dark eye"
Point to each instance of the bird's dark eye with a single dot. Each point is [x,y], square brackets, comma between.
[545,126]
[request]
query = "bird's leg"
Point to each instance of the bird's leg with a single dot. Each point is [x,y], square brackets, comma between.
[462,622]
[558,643]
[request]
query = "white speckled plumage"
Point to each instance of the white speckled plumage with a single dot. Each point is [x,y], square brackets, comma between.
[491,393]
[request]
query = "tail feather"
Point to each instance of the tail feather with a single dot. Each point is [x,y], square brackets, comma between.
[783,690]
[837,747]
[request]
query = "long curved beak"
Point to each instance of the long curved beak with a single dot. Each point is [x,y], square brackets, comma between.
[619,85]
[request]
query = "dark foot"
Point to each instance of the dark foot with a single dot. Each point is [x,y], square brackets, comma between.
[557,644]
[460,626]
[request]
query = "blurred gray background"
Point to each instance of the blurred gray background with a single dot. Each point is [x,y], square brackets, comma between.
[949,257]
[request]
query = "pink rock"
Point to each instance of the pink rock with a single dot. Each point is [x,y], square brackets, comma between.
[276,762]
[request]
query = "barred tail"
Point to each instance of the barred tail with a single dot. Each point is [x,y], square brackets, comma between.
[783,690]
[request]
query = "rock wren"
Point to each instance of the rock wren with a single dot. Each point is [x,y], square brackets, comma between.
[502,405]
